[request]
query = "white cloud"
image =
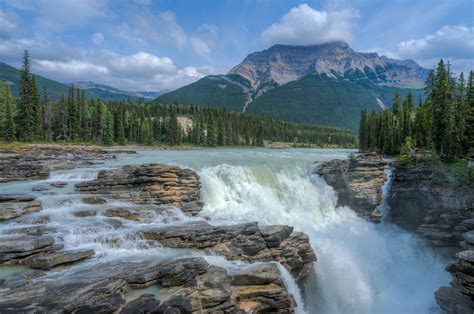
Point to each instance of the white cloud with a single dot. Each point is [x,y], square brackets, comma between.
[8,24]
[141,63]
[74,69]
[451,41]
[455,43]
[97,38]
[164,29]
[303,25]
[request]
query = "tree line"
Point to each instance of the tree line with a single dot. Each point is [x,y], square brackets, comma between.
[443,122]
[81,119]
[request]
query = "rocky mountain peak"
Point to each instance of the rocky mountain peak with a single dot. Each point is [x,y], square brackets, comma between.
[281,64]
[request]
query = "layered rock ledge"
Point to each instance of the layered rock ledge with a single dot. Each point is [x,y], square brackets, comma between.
[459,297]
[188,285]
[34,162]
[358,182]
[16,205]
[441,213]
[245,242]
[156,184]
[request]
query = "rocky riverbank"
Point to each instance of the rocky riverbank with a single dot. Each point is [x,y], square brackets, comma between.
[40,274]
[423,200]
[34,162]
[358,182]
[426,199]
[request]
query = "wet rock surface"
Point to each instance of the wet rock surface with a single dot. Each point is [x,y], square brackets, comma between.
[187,285]
[16,205]
[156,184]
[246,242]
[439,213]
[459,297]
[358,182]
[154,199]
[33,162]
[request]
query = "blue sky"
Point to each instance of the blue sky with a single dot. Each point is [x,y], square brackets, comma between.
[161,45]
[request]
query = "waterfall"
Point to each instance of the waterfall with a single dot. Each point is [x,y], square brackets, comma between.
[361,267]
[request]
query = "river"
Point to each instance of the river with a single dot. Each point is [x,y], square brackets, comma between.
[361,267]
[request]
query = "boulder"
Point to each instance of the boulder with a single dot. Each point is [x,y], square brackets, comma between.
[459,298]
[48,261]
[94,200]
[188,285]
[85,213]
[16,205]
[15,247]
[155,184]
[358,182]
[441,213]
[243,242]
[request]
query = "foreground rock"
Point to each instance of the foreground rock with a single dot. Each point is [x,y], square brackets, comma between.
[37,250]
[459,298]
[358,182]
[156,184]
[439,211]
[246,242]
[16,205]
[186,285]
[33,162]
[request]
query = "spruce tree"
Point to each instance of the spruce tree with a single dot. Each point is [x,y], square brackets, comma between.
[470,113]
[26,113]
[363,131]
[8,123]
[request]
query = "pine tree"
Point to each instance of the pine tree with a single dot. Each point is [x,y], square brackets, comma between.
[363,131]
[459,115]
[109,128]
[36,109]
[470,113]
[8,123]
[26,113]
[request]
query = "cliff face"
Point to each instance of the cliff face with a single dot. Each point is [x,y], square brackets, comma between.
[435,211]
[285,63]
[358,182]
[459,298]
[422,200]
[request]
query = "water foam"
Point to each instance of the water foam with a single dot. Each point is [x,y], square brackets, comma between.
[361,268]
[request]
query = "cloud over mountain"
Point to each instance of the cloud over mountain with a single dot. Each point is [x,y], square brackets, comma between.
[303,25]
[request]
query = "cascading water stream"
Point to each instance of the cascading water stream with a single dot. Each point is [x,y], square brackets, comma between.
[361,267]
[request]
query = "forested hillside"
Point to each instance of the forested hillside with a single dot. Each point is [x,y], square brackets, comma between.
[76,118]
[443,123]
[325,84]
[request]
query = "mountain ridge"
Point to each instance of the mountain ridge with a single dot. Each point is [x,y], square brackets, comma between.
[112,93]
[320,71]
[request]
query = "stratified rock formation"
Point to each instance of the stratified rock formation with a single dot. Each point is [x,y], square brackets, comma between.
[36,250]
[34,162]
[459,298]
[16,205]
[358,182]
[186,286]
[423,201]
[246,242]
[156,184]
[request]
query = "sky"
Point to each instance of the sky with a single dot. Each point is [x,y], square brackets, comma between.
[158,45]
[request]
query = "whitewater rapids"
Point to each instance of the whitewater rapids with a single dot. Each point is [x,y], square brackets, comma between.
[361,267]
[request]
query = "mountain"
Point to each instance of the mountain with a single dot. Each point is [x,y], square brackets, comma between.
[105,92]
[321,84]
[54,89]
